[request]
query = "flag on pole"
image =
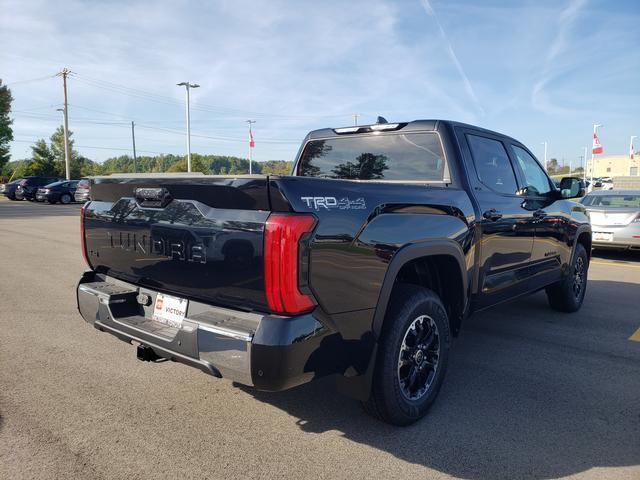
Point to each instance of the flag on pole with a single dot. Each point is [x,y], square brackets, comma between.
[251,142]
[597,146]
[631,149]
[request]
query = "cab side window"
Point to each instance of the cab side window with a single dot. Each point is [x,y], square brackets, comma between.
[537,182]
[492,164]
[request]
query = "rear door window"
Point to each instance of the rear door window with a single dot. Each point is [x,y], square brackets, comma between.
[411,156]
[492,164]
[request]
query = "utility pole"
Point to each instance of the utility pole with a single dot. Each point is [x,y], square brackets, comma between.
[133,139]
[188,86]
[64,73]
[581,157]
[584,167]
[251,145]
[545,155]
[355,118]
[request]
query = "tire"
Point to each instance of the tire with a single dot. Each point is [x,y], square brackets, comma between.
[567,295]
[65,198]
[394,399]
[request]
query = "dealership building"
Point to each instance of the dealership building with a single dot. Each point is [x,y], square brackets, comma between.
[614,166]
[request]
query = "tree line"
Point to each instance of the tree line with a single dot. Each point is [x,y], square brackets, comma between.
[47,158]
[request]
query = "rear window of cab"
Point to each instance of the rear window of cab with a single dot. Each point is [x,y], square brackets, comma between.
[408,157]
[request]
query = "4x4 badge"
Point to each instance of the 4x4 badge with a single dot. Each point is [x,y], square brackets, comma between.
[330,203]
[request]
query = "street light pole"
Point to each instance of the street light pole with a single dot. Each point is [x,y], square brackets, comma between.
[133,139]
[188,86]
[545,156]
[584,166]
[251,145]
[631,145]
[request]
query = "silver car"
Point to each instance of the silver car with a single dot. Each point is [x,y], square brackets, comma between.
[615,218]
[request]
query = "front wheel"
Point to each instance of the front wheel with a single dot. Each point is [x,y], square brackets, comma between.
[568,294]
[412,356]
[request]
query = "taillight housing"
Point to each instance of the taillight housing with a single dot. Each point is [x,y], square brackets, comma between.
[83,240]
[284,235]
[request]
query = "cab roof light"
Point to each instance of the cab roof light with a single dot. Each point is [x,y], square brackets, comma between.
[384,126]
[378,127]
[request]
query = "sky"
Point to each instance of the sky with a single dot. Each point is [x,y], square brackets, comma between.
[536,70]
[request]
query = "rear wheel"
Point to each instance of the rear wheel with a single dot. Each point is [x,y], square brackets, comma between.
[412,358]
[567,295]
[65,198]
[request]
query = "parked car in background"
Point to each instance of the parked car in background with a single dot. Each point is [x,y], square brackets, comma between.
[615,218]
[62,192]
[9,189]
[83,191]
[28,186]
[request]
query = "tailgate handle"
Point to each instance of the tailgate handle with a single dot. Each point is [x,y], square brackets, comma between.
[152,197]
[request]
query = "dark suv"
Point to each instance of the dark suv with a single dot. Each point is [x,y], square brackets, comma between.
[28,186]
[9,189]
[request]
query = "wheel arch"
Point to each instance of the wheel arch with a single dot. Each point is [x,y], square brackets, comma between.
[442,258]
[583,237]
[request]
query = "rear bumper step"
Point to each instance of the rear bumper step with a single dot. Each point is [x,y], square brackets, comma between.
[264,351]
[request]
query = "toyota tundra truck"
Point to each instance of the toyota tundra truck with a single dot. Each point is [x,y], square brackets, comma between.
[362,264]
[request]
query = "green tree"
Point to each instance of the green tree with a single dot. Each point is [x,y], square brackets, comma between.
[552,166]
[276,167]
[6,132]
[198,164]
[43,160]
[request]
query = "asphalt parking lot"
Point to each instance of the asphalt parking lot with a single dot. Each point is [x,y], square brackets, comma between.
[530,393]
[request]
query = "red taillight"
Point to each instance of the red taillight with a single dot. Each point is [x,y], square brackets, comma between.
[83,240]
[282,236]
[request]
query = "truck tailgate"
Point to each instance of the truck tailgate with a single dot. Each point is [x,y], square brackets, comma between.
[197,237]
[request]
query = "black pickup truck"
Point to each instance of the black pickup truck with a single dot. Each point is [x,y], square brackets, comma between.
[362,264]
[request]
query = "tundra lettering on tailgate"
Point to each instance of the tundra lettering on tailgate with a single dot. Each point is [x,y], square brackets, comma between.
[156,245]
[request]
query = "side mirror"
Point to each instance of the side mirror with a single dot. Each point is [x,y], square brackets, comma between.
[572,187]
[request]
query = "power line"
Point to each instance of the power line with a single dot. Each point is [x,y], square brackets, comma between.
[98,148]
[19,82]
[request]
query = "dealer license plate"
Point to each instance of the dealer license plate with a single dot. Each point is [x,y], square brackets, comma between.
[170,310]
[603,236]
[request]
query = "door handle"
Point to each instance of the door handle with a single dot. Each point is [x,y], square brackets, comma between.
[492,214]
[538,214]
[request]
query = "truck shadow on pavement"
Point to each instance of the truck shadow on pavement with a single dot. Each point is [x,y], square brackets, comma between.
[530,393]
